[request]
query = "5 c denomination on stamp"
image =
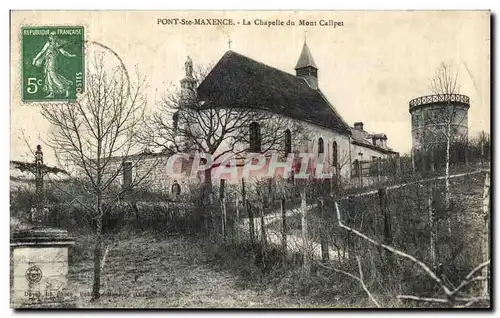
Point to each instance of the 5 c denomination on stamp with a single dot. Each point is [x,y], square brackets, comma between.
[52,63]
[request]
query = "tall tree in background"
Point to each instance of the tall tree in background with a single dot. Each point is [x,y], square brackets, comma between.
[92,132]
[443,121]
[184,124]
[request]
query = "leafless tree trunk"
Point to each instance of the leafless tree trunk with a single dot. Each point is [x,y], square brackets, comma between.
[447,168]
[432,228]
[93,135]
[442,122]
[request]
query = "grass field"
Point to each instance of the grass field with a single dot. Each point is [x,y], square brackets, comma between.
[149,270]
[154,272]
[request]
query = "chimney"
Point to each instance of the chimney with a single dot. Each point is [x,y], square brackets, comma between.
[358,125]
[384,142]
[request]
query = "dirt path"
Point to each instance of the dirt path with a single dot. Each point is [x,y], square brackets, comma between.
[146,272]
[295,243]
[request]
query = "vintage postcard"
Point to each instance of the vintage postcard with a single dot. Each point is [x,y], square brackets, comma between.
[250,159]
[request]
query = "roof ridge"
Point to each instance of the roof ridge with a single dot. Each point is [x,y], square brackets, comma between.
[348,128]
[241,81]
[268,66]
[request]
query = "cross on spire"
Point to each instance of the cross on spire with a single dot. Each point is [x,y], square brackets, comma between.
[305,58]
[305,36]
[229,43]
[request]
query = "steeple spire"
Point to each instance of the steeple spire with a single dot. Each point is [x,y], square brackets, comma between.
[305,58]
[306,67]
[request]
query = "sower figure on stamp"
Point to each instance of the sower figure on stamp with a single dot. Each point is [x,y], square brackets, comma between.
[54,82]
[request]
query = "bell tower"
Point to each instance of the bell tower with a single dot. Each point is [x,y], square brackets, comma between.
[306,67]
[188,83]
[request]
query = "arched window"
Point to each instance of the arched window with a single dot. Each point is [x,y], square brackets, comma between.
[334,154]
[321,146]
[255,138]
[288,141]
[176,189]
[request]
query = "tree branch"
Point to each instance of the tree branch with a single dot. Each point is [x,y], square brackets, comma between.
[359,279]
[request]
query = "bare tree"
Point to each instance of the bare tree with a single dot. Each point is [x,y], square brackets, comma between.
[183,124]
[359,278]
[480,146]
[338,163]
[91,135]
[452,295]
[443,121]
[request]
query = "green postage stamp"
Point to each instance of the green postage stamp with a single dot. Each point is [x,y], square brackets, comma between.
[52,63]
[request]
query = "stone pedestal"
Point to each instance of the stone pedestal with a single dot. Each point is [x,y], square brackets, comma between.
[39,268]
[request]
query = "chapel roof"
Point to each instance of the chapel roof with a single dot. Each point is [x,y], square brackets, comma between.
[239,81]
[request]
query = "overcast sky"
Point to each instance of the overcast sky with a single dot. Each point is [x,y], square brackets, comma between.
[369,68]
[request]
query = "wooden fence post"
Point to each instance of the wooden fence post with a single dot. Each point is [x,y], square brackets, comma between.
[222,187]
[486,235]
[246,205]
[382,194]
[350,213]
[331,184]
[306,266]
[432,160]
[237,220]
[224,217]
[270,194]
[359,169]
[250,223]
[379,168]
[263,237]
[243,193]
[432,228]
[222,197]
[205,219]
[323,233]
[259,250]
[283,229]
[482,154]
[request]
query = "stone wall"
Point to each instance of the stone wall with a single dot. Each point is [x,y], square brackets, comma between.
[150,172]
